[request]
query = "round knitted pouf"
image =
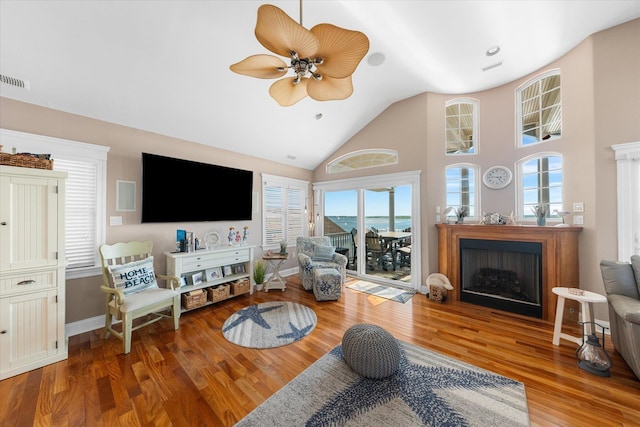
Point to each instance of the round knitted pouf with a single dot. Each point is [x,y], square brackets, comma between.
[371,351]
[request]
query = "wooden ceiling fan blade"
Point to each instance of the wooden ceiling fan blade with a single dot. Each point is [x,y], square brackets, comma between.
[276,31]
[330,89]
[286,93]
[342,50]
[261,66]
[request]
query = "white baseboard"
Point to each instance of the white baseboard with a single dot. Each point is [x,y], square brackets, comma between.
[85,325]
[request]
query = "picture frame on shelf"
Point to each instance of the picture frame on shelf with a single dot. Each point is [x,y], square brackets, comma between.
[211,274]
[227,270]
[239,269]
[183,281]
[195,279]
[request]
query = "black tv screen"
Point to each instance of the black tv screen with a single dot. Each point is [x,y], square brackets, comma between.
[175,190]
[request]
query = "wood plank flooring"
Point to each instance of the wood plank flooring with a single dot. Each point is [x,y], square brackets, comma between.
[194,377]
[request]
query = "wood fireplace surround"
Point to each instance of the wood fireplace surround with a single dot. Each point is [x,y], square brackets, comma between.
[559,257]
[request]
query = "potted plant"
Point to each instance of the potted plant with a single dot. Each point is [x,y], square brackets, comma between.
[259,274]
[283,247]
[461,213]
[541,214]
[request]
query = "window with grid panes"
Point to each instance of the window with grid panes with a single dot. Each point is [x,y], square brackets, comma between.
[540,110]
[461,126]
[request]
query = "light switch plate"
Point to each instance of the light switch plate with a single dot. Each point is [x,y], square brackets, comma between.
[578,220]
[115,220]
[578,207]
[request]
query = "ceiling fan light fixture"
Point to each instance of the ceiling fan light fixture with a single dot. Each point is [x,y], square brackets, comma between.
[323,56]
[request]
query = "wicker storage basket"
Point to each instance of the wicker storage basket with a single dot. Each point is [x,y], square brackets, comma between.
[218,293]
[194,299]
[240,286]
[25,160]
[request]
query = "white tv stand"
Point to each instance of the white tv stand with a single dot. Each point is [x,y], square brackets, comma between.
[183,264]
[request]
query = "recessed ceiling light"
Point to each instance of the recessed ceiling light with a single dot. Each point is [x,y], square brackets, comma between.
[494,50]
[376,59]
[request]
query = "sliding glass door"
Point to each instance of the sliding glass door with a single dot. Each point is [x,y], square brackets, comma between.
[375,222]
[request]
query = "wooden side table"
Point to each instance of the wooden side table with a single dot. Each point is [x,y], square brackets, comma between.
[586,301]
[275,281]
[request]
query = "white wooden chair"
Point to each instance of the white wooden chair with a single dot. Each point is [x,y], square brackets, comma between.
[131,290]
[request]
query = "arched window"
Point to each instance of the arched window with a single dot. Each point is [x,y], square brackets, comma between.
[363,159]
[540,183]
[462,187]
[461,126]
[539,109]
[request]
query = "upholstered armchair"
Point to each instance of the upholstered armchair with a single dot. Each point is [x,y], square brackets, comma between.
[317,252]
[622,284]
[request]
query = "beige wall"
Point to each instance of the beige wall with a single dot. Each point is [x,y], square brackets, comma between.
[84,299]
[601,107]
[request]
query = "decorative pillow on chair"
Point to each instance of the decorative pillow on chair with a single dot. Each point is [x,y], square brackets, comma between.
[134,276]
[322,252]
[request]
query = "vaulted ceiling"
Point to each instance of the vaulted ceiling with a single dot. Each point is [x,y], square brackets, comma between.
[163,66]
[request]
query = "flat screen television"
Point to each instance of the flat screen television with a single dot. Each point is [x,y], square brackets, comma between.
[176,190]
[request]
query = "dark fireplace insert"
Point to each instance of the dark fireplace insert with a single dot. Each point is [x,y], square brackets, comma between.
[506,275]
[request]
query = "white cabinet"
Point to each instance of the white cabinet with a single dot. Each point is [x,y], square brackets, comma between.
[224,266]
[32,269]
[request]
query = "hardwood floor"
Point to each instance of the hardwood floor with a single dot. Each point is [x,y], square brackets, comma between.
[193,376]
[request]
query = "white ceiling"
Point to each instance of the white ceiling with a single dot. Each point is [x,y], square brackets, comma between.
[163,66]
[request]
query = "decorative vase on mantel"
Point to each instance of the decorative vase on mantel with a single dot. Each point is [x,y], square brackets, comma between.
[541,221]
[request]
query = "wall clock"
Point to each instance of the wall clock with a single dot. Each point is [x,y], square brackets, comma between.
[497,177]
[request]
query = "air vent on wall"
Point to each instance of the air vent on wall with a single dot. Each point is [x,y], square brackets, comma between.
[12,81]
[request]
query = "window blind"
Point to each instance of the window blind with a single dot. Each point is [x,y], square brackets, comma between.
[80,238]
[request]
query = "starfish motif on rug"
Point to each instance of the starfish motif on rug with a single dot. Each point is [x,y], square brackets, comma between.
[416,385]
[296,333]
[254,314]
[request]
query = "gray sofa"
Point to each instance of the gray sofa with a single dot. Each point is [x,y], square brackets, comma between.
[622,284]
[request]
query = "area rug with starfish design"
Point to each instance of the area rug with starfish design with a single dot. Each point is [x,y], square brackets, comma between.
[429,389]
[269,324]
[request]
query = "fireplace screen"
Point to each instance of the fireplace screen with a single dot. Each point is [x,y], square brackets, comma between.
[502,274]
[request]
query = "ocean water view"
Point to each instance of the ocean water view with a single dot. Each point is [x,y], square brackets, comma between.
[379,222]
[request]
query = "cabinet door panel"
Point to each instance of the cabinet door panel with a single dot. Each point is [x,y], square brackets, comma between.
[29,211]
[29,323]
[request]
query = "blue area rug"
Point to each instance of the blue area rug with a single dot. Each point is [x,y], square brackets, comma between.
[269,324]
[429,389]
[382,291]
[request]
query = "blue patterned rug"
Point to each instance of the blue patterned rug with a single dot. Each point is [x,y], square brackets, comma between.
[269,324]
[382,291]
[429,389]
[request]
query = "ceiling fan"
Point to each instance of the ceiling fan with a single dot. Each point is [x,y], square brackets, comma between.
[322,59]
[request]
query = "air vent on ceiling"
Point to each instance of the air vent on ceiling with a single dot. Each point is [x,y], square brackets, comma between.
[488,67]
[12,81]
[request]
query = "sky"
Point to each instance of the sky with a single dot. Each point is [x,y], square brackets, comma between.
[345,203]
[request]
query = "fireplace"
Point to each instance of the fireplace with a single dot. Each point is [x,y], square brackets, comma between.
[544,256]
[506,275]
